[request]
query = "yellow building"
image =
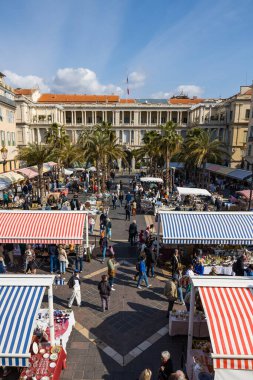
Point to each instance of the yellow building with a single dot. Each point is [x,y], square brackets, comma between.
[228,120]
[7,127]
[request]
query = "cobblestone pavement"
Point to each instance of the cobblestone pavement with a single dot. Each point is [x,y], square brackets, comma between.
[130,336]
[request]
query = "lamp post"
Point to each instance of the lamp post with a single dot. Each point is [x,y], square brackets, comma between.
[4,153]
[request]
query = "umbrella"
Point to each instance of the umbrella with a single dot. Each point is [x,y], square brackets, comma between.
[92,169]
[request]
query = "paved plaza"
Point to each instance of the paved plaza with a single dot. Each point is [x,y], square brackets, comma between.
[121,342]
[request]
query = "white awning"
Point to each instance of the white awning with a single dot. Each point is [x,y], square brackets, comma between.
[193,191]
[151,179]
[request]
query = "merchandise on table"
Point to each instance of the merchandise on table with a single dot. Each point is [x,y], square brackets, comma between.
[179,322]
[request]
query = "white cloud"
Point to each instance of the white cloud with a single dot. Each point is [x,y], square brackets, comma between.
[81,80]
[27,81]
[136,79]
[187,89]
[190,90]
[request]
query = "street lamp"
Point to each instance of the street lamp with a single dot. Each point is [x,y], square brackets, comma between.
[4,153]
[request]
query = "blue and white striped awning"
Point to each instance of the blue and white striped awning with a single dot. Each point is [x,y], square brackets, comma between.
[207,228]
[18,310]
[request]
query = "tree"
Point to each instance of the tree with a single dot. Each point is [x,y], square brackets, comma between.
[170,142]
[150,148]
[36,154]
[68,155]
[201,146]
[100,147]
[56,136]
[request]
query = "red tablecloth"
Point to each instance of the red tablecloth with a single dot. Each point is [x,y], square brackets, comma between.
[59,328]
[40,366]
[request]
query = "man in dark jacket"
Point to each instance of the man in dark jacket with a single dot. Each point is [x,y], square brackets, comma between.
[174,262]
[132,232]
[104,291]
[239,266]
[150,261]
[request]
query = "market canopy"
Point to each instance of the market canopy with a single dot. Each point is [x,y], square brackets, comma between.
[21,297]
[151,179]
[28,172]
[44,227]
[193,191]
[9,178]
[245,193]
[228,306]
[19,305]
[234,228]
[239,174]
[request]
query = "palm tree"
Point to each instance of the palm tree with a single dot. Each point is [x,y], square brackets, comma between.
[56,136]
[36,154]
[170,142]
[100,147]
[201,146]
[150,149]
[69,154]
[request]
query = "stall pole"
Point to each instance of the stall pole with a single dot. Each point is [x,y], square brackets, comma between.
[191,318]
[51,314]
[158,234]
[87,230]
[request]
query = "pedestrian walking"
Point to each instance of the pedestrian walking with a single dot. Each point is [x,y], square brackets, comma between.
[104,246]
[128,211]
[134,206]
[111,270]
[114,201]
[108,228]
[132,232]
[91,225]
[142,274]
[150,261]
[105,292]
[175,262]
[30,260]
[121,198]
[166,368]
[170,291]
[128,197]
[118,188]
[74,284]
[79,251]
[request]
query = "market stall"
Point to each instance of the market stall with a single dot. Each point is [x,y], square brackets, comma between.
[206,228]
[179,322]
[21,297]
[193,191]
[228,307]
[151,179]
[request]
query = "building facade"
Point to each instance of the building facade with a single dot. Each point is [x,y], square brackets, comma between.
[228,120]
[249,146]
[7,127]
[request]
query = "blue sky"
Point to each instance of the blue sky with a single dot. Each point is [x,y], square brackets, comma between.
[203,47]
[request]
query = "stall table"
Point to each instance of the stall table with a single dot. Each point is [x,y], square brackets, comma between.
[224,270]
[179,321]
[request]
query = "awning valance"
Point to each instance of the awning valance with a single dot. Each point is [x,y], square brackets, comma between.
[207,228]
[151,179]
[19,306]
[45,227]
[239,174]
[229,314]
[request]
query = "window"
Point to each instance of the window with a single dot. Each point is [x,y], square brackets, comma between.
[120,136]
[249,150]
[231,115]
[8,138]
[247,114]
[1,115]
[2,137]
[245,133]
[251,131]
[132,137]
[13,138]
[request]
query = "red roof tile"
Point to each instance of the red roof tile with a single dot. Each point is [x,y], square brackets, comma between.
[127,101]
[66,98]
[24,91]
[185,101]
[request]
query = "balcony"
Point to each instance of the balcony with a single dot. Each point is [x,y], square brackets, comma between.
[7,101]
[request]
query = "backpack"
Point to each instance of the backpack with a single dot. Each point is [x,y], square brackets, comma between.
[71,282]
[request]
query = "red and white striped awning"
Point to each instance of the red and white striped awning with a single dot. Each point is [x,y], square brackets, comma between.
[229,312]
[44,227]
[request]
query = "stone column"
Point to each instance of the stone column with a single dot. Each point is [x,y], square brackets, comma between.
[119,161]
